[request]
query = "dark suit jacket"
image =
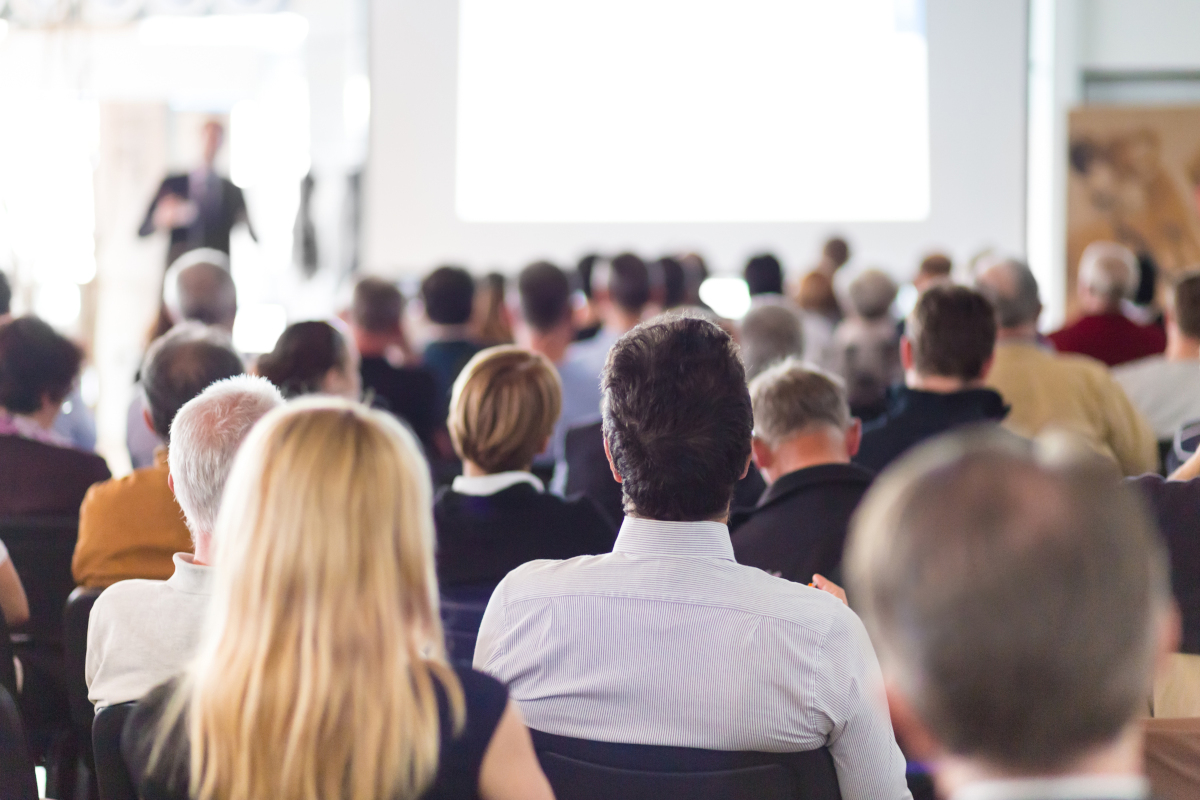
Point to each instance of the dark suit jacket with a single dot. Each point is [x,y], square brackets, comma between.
[39,479]
[408,392]
[799,526]
[213,223]
[588,474]
[1176,507]
[482,539]
[913,416]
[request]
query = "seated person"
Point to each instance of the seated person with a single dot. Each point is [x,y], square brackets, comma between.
[449,297]
[409,392]
[323,672]
[770,333]
[866,344]
[804,438]
[667,640]
[40,473]
[1020,607]
[496,516]
[1108,275]
[312,358]
[132,527]
[946,351]
[143,632]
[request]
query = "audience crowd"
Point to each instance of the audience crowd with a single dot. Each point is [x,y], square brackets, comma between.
[414,549]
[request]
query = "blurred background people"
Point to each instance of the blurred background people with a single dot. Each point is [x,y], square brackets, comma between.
[866,344]
[934,270]
[492,322]
[448,294]
[768,334]
[313,358]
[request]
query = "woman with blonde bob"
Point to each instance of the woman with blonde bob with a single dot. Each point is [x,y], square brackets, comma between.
[322,672]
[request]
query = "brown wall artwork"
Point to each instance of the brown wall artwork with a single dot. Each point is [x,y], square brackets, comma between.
[1135,179]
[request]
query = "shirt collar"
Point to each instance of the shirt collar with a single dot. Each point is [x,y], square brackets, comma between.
[190,577]
[647,537]
[1070,787]
[26,428]
[485,485]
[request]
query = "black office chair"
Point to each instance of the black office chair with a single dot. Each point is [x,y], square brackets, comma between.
[462,610]
[76,613]
[112,775]
[41,549]
[17,779]
[8,672]
[579,769]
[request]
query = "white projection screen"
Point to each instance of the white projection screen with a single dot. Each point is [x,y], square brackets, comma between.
[509,130]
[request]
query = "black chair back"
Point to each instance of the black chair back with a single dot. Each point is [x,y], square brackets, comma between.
[76,613]
[112,775]
[579,769]
[8,672]
[17,779]
[41,549]
[462,610]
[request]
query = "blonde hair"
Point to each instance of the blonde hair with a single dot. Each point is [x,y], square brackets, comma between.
[503,407]
[315,676]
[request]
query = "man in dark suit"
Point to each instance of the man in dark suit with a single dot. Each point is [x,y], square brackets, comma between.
[199,208]
[1019,602]
[804,438]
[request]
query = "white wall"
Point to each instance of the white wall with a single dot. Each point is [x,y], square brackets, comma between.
[1140,34]
[977,66]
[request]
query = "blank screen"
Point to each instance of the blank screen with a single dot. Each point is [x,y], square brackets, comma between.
[692,111]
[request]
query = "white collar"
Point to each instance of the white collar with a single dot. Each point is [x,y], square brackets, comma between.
[1069,787]
[654,537]
[486,485]
[190,577]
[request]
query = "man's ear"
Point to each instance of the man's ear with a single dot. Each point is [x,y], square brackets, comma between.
[915,740]
[749,461]
[906,354]
[171,482]
[149,420]
[761,453]
[987,367]
[611,464]
[853,437]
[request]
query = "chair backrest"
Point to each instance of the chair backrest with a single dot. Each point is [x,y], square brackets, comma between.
[462,610]
[579,769]
[8,672]
[76,614]
[112,775]
[41,549]
[17,779]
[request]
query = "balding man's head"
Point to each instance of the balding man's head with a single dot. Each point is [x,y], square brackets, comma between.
[1013,291]
[199,288]
[1108,274]
[180,365]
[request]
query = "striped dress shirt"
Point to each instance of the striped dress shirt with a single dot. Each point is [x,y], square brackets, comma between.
[668,641]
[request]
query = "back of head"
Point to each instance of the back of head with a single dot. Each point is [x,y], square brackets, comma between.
[674,281]
[816,294]
[764,275]
[677,418]
[791,398]
[836,251]
[503,408]
[36,362]
[199,288]
[1109,271]
[628,282]
[1185,303]
[324,608]
[303,355]
[1016,603]
[449,295]
[1012,289]
[584,271]
[5,295]
[181,364]
[545,295]
[935,266]
[377,306]
[770,333]
[872,294]
[205,437]
[953,333]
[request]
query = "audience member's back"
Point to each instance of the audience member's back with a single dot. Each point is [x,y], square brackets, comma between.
[497,516]
[866,344]
[449,297]
[667,640]
[40,474]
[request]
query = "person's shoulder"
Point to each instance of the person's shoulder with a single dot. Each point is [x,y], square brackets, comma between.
[114,488]
[545,577]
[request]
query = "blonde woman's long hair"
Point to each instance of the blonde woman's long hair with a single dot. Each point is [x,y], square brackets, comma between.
[315,678]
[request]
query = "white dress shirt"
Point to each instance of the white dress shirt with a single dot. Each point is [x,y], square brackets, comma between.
[1069,787]
[143,632]
[669,641]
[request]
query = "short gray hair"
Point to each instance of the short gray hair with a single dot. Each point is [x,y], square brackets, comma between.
[1015,298]
[770,333]
[205,437]
[791,397]
[1015,597]
[872,293]
[1109,270]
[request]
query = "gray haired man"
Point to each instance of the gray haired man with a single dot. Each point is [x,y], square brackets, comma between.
[1019,605]
[143,632]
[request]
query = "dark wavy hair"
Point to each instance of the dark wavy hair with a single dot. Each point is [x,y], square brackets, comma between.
[35,362]
[304,353]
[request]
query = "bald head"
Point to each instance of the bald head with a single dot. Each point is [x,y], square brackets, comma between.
[1013,291]
[1108,274]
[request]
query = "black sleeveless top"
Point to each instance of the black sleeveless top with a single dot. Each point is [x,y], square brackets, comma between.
[459,758]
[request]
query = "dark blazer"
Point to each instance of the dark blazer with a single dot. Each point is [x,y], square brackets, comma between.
[482,538]
[1176,508]
[588,474]
[408,392]
[39,479]
[214,220]
[799,526]
[913,416]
